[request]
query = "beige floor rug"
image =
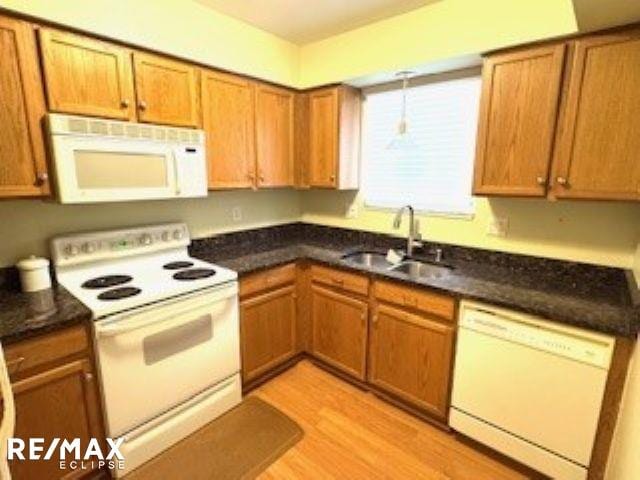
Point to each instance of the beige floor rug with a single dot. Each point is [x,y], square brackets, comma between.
[238,445]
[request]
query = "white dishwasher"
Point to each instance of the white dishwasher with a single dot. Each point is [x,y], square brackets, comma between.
[529,388]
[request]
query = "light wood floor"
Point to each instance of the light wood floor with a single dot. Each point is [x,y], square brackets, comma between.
[351,434]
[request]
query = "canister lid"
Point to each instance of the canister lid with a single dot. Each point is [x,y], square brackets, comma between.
[33,263]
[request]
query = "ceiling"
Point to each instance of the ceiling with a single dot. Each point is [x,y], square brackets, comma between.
[307,21]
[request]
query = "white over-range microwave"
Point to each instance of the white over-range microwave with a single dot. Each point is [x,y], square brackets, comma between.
[97,160]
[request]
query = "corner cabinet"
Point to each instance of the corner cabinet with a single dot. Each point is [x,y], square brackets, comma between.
[167,91]
[598,146]
[518,110]
[23,167]
[267,321]
[329,150]
[228,120]
[274,113]
[560,120]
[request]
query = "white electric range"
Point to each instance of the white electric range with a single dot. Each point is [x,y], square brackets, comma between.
[166,332]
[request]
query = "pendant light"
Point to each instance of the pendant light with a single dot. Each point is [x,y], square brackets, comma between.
[402,141]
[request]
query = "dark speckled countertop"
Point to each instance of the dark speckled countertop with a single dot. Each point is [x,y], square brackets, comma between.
[598,298]
[593,297]
[24,315]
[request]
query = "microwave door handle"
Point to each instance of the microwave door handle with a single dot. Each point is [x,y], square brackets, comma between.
[115,330]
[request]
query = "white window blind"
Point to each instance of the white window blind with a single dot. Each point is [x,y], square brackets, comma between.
[434,173]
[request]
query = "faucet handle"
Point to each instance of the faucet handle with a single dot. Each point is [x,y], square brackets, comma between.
[417,235]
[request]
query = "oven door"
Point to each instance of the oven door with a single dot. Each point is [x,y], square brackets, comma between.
[101,169]
[152,360]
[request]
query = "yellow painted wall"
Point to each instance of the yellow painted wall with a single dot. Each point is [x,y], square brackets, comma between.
[602,233]
[439,31]
[180,27]
[624,459]
[27,225]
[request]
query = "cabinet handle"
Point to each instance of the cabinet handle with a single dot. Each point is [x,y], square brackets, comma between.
[88,377]
[561,181]
[124,103]
[541,181]
[374,319]
[262,177]
[42,178]
[332,178]
[142,105]
[338,281]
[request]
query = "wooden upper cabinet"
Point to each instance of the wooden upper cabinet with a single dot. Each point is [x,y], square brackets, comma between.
[339,330]
[334,138]
[167,91]
[323,137]
[411,357]
[228,120]
[598,145]
[518,111]
[86,76]
[301,140]
[23,168]
[274,136]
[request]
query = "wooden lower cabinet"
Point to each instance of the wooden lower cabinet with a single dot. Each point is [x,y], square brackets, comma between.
[339,326]
[410,357]
[267,325]
[56,396]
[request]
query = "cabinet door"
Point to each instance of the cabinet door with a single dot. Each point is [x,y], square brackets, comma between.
[86,76]
[167,91]
[267,331]
[23,168]
[301,140]
[274,136]
[57,403]
[228,120]
[598,152]
[323,137]
[410,357]
[339,330]
[518,110]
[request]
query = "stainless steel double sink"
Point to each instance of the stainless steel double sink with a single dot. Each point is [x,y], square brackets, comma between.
[412,268]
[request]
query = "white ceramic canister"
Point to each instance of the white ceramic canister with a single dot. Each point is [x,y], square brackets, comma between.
[34,274]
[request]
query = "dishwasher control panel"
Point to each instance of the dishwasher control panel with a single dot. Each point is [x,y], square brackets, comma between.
[574,343]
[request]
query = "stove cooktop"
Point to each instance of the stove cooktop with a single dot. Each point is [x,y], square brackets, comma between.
[116,285]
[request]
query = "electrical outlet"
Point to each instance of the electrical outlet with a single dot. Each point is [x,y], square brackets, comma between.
[236,214]
[351,210]
[498,227]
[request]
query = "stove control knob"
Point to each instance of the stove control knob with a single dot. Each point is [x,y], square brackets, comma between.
[71,250]
[146,239]
[88,247]
[177,234]
[166,236]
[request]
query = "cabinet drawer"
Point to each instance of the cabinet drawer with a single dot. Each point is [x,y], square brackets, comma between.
[40,351]
[340,279]
[258,282]
[426,301]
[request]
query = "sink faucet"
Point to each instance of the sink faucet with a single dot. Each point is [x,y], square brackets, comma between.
[414,235]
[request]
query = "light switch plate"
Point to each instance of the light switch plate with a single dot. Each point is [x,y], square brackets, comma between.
[498,227]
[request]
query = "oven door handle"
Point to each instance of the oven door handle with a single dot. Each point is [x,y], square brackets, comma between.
[115,330]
